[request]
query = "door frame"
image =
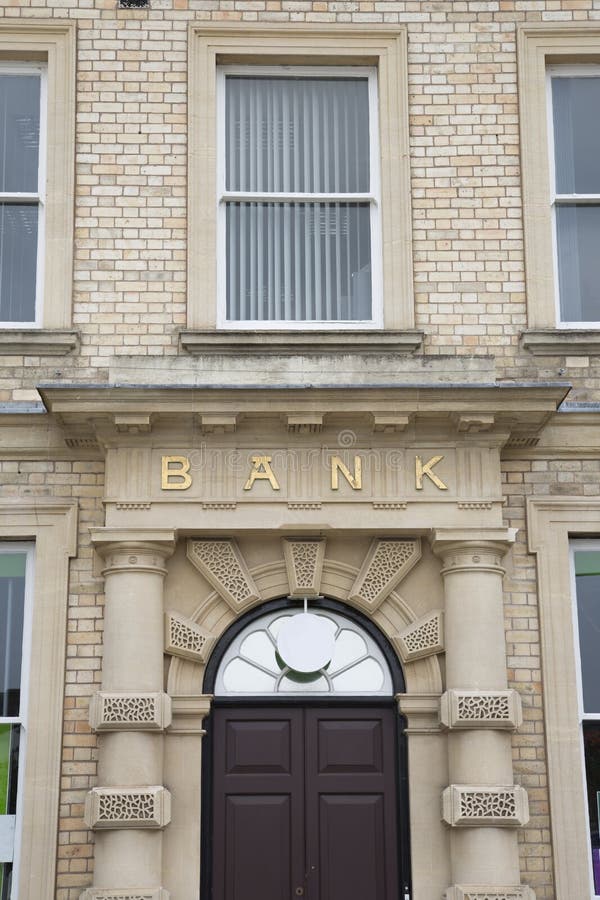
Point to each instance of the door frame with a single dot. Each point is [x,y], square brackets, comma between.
[304,702]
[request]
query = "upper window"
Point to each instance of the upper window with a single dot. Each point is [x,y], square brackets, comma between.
[22,110]
[298,196]
[575,102]
[559,96]
[299,180]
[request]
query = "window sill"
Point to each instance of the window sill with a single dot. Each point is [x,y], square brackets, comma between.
[37,342]
[556,342]
[292,342]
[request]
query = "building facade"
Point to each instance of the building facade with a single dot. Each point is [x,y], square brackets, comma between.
[299,316]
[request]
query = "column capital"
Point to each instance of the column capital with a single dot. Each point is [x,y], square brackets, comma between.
[422,712]
[134,549]
[479,549]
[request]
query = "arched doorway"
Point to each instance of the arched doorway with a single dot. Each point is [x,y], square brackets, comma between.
[305,773]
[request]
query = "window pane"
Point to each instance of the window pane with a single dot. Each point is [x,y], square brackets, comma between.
[591,743]
[308,135]
[5,880]
[18,261]
[298,262]
[20,132]
[9,760]
[12,600]
[578,245]
[575,104]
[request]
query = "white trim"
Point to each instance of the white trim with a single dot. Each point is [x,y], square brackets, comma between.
[39,198]
[372,197]
[575,546]
[28,549]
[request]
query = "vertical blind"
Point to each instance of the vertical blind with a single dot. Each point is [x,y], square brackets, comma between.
[293,256]
[19,167]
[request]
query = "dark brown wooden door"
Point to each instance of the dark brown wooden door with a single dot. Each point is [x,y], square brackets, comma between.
[304,804]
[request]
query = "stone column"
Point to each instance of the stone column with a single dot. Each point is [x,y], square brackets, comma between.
[130,807]
[482,804]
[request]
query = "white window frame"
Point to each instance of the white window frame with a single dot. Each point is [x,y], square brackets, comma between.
[373,197]
[9,547]
[588,70]
[39,197]
[579,545]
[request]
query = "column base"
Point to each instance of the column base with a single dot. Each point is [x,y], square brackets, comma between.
[489,892]
[125,894]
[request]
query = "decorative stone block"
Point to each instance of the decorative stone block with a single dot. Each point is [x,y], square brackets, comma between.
[304,564]
[130,711]
[387,562]
[424,637]
[125,894]
[124,807]
[184,638]
[224,568]
[499,806]
[481,709]
[489,892]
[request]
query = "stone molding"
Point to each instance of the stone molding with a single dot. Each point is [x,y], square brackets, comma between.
[224,567]
[481,709]
[125,894]
[304,566]
[489,892]
[125,807]
[38,342]
[133,550]
[189,712]
[504,806]
[186,639]
[130,711]
[421,712]
[480,549]
[424,637]
[387,562]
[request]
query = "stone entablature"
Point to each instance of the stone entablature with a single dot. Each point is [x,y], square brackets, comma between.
[504,806]
[481,709]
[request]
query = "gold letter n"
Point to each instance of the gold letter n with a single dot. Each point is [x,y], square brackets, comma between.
[337,466]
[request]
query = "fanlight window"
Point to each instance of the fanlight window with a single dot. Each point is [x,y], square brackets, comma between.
[252,664]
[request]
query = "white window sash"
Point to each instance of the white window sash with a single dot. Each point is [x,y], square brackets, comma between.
[225,197]
[39,197]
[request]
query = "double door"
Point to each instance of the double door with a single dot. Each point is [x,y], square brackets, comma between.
[305,803]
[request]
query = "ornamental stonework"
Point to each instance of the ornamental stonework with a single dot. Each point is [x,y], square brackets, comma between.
[499,806]
[424,637]
[483,892]
[130,711]
[125,894]
[386,564]
[304,565]
[186,639]
[481,709]
[144,807]
[224,568]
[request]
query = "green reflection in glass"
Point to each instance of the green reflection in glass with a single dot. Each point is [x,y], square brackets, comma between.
[587,562]
[12,565]
[4,766]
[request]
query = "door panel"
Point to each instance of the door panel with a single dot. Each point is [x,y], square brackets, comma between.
[304,799]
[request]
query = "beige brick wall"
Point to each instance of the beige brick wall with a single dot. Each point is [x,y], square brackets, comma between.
[130,234]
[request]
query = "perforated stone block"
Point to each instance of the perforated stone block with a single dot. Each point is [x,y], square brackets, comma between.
[184,638]
[424,637]
[386,564]
[125,894]
[503,806]
[130,711]
[223,566]
[142,807]
[304,565]
[481,709]
[489,892]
